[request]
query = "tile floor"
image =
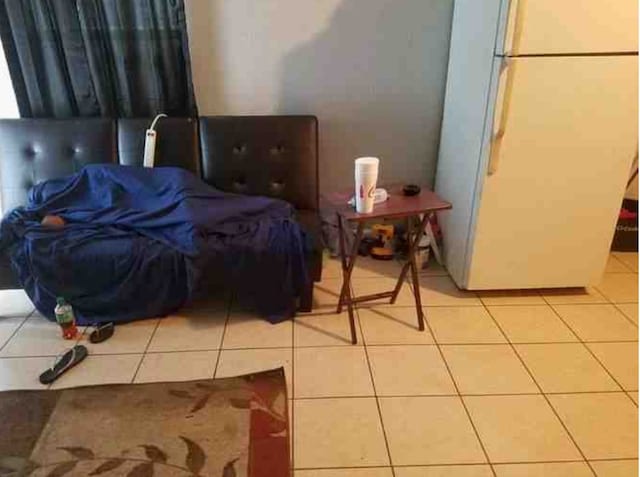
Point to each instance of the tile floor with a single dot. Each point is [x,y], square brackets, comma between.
[500,384]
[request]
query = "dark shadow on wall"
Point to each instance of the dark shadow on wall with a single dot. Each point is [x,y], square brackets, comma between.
[375,77]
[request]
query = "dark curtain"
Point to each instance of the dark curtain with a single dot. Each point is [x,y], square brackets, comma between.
[113,58]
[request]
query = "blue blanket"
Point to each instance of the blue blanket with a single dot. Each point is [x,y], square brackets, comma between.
[138,242]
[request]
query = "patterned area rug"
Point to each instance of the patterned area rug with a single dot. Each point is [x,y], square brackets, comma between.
[234,427]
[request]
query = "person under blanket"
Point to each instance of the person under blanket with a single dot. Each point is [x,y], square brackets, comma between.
[52,221]
[122,243]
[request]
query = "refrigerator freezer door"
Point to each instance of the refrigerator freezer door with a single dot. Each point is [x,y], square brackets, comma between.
[545,217]
[538,27]
[468,102]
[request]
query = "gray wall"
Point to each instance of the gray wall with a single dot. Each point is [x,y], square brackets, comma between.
[373,71]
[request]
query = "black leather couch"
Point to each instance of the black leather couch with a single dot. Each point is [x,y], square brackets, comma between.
[275,156]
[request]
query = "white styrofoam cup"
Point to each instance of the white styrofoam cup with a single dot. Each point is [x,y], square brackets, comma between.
[366,177]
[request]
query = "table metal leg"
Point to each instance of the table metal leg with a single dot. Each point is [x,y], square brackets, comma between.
[413,238]
[413,245]
[343,261]
[414,272]
[400,282]
[347,269]
[407,265]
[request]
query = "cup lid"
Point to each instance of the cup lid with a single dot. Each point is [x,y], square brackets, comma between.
[367,161]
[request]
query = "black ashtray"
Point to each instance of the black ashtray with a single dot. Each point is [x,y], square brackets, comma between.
[411,189]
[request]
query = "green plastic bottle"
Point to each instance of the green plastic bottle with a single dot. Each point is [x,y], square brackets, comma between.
[66,319]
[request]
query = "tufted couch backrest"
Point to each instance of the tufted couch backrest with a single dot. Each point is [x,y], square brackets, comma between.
[176,143]
[33,150]
[276,156]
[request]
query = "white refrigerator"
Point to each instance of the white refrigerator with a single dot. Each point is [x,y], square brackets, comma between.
[539,132]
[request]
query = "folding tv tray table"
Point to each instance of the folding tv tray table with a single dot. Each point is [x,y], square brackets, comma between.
[415,209]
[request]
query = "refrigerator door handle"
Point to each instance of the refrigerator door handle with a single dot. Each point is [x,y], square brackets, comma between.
[501,115]
[513,32]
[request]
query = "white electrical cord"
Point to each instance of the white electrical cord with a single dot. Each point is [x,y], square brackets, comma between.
[155,120]
[150,142]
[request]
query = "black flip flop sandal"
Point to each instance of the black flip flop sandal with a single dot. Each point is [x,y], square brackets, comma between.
[102,332]
[67,361]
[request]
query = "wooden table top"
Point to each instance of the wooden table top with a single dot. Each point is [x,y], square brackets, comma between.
[397,205]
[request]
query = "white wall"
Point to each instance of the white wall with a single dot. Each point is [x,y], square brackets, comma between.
[8,105]
[373,71]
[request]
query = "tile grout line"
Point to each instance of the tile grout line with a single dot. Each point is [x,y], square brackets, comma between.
[224,331]
[144,353]
[628,393]
[580,340]
[615,304]
[455,384]
[548,401]
[490,343]
[613,459]
[18,328]
[382,304]
[352,396]
[376,345]
[624,265]
[26,318]
[595,287]
[467,464]
[624,314]
[373,385]
[608,301]
[481,303]
[614,254]
[590,351]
